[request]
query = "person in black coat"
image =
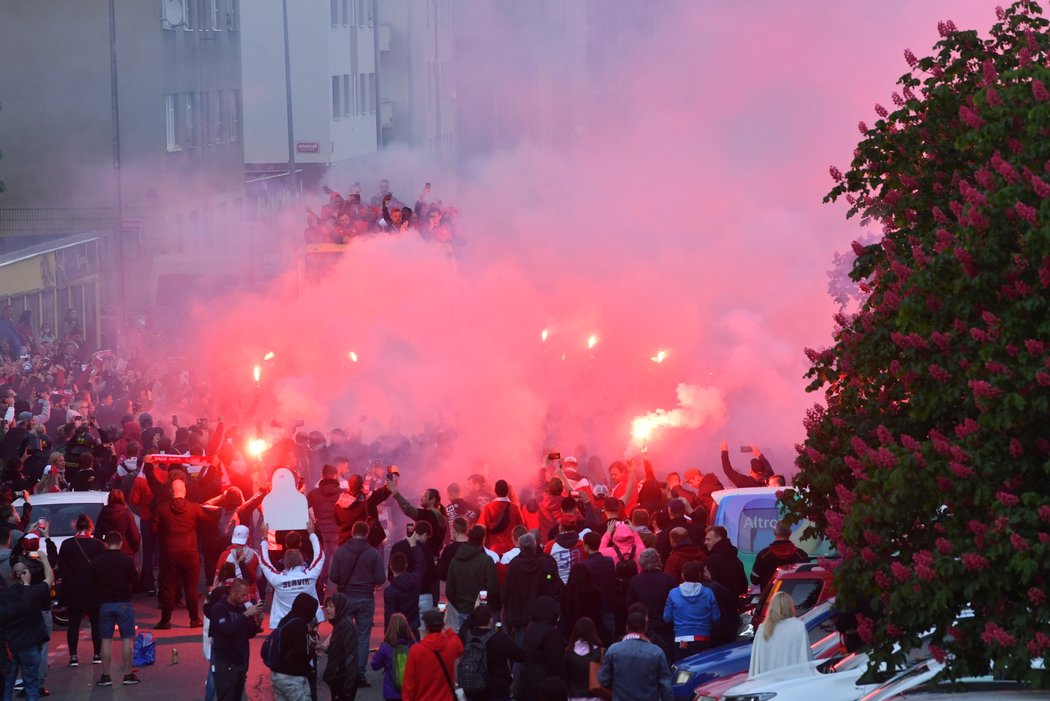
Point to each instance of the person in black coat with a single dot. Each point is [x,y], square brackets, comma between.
[291,675]
[544,649]
[723,562]
[78,593]
[402,594]
[603,574]
[582,600]
[116,516]
[650,588]
[500,653]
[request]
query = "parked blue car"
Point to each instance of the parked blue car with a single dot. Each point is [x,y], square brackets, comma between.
[733,658]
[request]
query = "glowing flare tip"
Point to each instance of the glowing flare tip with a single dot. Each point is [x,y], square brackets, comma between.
[544,334]
[660,356]
[352,355]
[270,356]
[257,373]
[257,446]
[592,340]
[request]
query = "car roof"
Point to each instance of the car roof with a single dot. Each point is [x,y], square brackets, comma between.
[721,494]
[90,497]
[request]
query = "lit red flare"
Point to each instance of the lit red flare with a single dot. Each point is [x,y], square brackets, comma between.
[257,373]
[592,341]
[257,446]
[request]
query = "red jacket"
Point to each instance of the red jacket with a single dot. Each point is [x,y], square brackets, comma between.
[492,515]
[424,679]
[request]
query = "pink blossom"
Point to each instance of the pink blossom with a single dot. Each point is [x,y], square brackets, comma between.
[970,117]
[1042,378]
[939,216]
[1019,543]
[984,178]
[883,580]
[894,631]
[868,555]
[1039,91]
[959,470]
[1007,499]
[1044,512]
[836,174]
[880,110]
[909,442]
[1024,57]
[941,340]
[980,335]
[1016,448]
[974,562]
[1029,214]
[993,634]
[967,427]
[938,653]
[1034,346]
[993,97]
[1037,596]
[983,390]
[865,628]
[999,13]
[942,29]
[988,70]
[944,546]
[938,373]
[884,435]
[862,128]
[910,58]
[944,241]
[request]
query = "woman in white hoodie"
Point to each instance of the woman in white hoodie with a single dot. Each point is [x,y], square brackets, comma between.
[782,639]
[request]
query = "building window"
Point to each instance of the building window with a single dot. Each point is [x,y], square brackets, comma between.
[215,26]
[362,12]
[372,92]
[231,14]
[189,120]
[346,12]
[346,95]
[235,115]
[169,122]
[337,103]
[218,105]
[334,11]
[362,93]
[189,14]
[206,131]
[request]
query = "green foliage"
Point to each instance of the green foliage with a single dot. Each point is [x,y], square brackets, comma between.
[929,463]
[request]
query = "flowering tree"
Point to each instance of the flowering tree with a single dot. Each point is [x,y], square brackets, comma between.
[928,466]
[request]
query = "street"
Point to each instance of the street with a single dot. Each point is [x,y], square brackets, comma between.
[164,680]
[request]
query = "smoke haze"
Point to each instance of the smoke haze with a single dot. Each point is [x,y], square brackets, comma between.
[685,214]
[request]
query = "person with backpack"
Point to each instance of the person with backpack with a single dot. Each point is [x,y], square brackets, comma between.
[289,652]
[499,517]
[623,544]
[430,668]
[392,656]
[585,648]
[484,670]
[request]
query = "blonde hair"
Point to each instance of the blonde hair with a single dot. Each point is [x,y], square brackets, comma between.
[397,629]
[781,607]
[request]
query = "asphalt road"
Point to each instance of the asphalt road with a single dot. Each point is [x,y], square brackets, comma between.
[164,680]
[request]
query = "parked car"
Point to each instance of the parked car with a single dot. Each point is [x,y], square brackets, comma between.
[830,646]
[61,509]
[922,683]
[704,667]
[808,583]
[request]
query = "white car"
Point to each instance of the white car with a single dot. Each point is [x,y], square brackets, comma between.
[844,679]
[61,509]
[919,683]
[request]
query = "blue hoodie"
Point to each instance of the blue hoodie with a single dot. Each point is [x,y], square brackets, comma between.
[692,608]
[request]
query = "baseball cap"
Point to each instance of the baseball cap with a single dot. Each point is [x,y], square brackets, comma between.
[25,416]
[676,506]
[240,535]
[569,460]
[31,542]
[600,490]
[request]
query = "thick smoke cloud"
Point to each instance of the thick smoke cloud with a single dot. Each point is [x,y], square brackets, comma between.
[685,215]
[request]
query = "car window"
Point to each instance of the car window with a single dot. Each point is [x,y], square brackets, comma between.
[821,630]
[63,517]
[805,593]
[755,530]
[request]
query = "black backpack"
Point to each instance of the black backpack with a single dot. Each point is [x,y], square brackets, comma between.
[271,652]
[624,569]
[472,670]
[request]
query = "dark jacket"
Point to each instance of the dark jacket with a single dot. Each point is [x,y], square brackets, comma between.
[402,596]
[529,575]
[297,655]
[684,552]
[322,501]
[544,649]
[435,517]
[727,626]
[340,672]
[119,518]
[726,568]
[651,588]
[500,653]
[603,574]
[578,671]
[694,528]
[175,523]
[741,480]
[471,571]
[74,560]
[776,554]
[114,575]
[351,509]
[231,630]
[357,568]
[24,627]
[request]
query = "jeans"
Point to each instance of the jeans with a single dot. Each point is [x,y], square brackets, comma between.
[73,629]
[149,555]
[289,688]
[426,602]
[209,684]
[49,623]
[29,661]
[362,610]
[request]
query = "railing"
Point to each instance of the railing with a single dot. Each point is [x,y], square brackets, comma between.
[23,221]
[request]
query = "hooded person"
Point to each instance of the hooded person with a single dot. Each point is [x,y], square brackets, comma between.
[544,649]
[430,668]
[470,572]
[693,610]
[175,523]
[529,575]
[340,673]
[291,674]
[621,542]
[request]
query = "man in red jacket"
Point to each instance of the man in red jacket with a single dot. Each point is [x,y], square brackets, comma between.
[430,671]
[499,518]
[175,523]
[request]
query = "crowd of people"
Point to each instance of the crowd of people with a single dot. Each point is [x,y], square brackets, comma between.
[580,564]
[343,218]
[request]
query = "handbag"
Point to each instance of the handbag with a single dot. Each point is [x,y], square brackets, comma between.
[594,687]
[145,652]
[457,693]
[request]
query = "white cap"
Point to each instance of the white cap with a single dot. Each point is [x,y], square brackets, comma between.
[240,535]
